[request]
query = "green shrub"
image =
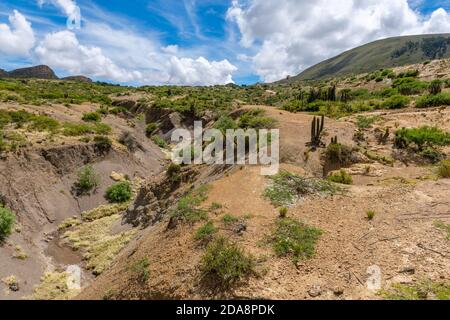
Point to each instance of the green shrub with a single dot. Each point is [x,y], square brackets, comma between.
[422,137]
[444,169]
[159,141]
[119,192]
[254,119]
[422,290]
[229,219]
[435,87]
[370,215]
[396,102]
[409,86]
[292,237]
[88,179]
[7,220]
[431,154]
[206,231]
[141,268]
[103,141]
[174,173]
[43,123]
[225,123]
[150,129]
[434,100]
[81,129]
[187,207]
[366,122]
[226,262]
[341,177]
[92,117]
[283,212]
[286,187]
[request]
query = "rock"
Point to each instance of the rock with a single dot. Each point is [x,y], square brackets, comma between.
[338,291]
[14,287]
[241,228]
[117,176]
[315,291]
[408,269]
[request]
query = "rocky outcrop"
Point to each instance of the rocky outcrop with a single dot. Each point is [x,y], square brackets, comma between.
[3,74]
[77,79]
[67,158]
[38,72]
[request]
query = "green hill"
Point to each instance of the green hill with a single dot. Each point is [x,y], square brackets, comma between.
[387,53]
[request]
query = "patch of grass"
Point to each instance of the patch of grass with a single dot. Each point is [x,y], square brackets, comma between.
[421,137]
[434,100]
[255,119]
[69,223]
[43,123]
[159,141]
[286,187]
[423,290]
[88,179]
[187,207]
[92,117]
[444,169]
[341,177]
[151,128]
[283,212]
[103,211]
[53,286]
[20,253]
[80,129]
[95,239]
[292,237]
[7,220]
[119,192]
[445,227]
[229,219]
[366,122]
[216,206]
[141,268]
[226,263]
[370,214]
[12,283]
[206,231]
[396,102]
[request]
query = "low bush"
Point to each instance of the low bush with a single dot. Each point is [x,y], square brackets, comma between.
[206,231]
[119,192]
[292,237]
[141,268]
[7,220]
[366,122]
[151,128]
[92,117]
[396,102]
[341,177]
[159,141]
[434,100]
[187,207]
[286,187]
[435,87]
[421,137]
[174,173]
[229,219]
[444,169]
[88,179]
[226,263]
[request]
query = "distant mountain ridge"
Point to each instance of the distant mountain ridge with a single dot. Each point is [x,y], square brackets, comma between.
[39,72]
[386,53]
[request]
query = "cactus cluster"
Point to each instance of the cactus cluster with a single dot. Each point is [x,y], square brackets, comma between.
[317,127]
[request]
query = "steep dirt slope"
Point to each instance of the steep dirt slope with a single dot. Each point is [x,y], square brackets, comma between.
[37,184]
[402,240]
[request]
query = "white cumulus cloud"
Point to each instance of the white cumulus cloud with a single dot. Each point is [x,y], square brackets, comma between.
[62,50]
[17,38]
[291,35]
[199,71]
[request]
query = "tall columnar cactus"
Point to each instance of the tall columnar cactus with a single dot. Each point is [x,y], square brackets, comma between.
[317,127]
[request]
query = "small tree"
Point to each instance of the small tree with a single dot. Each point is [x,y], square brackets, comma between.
[7,220]
[88,179]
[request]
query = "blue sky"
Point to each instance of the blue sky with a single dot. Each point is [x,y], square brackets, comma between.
[201,41]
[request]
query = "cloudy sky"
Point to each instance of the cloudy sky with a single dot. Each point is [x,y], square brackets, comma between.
[200,42]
